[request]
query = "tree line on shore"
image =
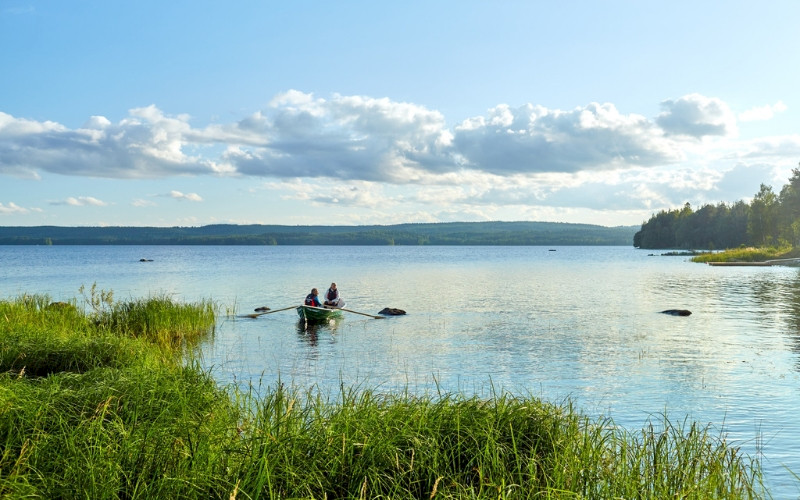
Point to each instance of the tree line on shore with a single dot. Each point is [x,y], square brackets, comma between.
[769,219]
[453,233]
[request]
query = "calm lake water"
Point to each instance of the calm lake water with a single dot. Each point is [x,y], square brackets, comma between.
[554,322]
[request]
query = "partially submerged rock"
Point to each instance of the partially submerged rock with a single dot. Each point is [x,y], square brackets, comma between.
[677,312]
[391,311]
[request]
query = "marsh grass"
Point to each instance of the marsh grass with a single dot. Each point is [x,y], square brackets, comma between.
[105,414]
[160,320]
[39,337]
[381,446]
[749,254]
[135,432]
[157,319]
[90,409]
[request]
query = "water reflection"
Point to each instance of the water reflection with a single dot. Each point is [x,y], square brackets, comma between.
[310,332]
[792,294]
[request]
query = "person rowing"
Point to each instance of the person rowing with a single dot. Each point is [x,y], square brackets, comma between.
[312,299]
[332,298]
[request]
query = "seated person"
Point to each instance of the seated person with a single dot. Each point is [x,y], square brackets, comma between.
[332,296]
[312,299]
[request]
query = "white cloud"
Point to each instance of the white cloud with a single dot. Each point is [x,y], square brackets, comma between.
[334,193]
[773,149]
[80,201]
[533,139]
[359,194]
[184,196]
[145,145]
[345,137]
[139,202]
[697,116]
[12,208]
[762,113]
[362,138]
[742,181]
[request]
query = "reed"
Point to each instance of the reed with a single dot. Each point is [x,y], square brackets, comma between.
[126,421]
[160,320]
[87,412]
[136,432]
[157,319]
[40,337]
[371,446]
[748,254]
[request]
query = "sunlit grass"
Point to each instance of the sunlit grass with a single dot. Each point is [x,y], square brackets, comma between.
[160,320]
[749,254]
[39,337]
[370,445]
[91,408]
[148,432]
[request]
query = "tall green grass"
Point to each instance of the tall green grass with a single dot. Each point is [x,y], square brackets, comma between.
[368,445]
[91,406]
[749,254]
[39,337]
[96,406]
[161,321]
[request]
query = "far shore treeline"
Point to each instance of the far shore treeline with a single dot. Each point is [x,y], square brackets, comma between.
[450,233]
[771,219]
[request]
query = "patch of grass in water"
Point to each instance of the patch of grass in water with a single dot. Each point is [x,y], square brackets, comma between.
[160,320]
[749,254]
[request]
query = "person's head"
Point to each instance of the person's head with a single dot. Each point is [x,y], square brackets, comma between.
[314,291]
[333,286]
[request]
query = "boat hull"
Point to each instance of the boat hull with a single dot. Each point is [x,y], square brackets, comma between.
[310,313]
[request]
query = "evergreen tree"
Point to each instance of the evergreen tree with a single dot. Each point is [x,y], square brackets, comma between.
[789,212]
[762,227]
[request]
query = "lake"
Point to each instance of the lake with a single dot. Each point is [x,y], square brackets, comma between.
[578,323]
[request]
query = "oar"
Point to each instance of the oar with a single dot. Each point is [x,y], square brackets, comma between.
[363,314]
[255,315]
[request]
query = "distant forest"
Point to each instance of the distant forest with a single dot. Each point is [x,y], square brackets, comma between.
[453,233]
[770,219]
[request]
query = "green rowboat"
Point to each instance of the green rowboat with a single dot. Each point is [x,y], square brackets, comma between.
[311,313]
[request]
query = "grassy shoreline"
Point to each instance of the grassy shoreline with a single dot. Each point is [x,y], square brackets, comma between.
[749,254]
[105,404]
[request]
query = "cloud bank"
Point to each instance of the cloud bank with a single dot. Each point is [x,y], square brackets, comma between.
[593,156]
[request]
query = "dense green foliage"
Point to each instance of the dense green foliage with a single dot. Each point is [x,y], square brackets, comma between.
[92,408]
[455,233]
[769,219]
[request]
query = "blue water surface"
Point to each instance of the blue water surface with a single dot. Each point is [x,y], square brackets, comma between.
[578,323]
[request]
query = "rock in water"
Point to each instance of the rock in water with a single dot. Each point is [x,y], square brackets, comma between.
[677,312]
[391,311]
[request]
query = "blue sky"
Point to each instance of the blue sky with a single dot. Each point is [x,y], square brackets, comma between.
[345,113]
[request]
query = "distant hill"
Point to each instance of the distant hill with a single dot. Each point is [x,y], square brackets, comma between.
[446,233]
